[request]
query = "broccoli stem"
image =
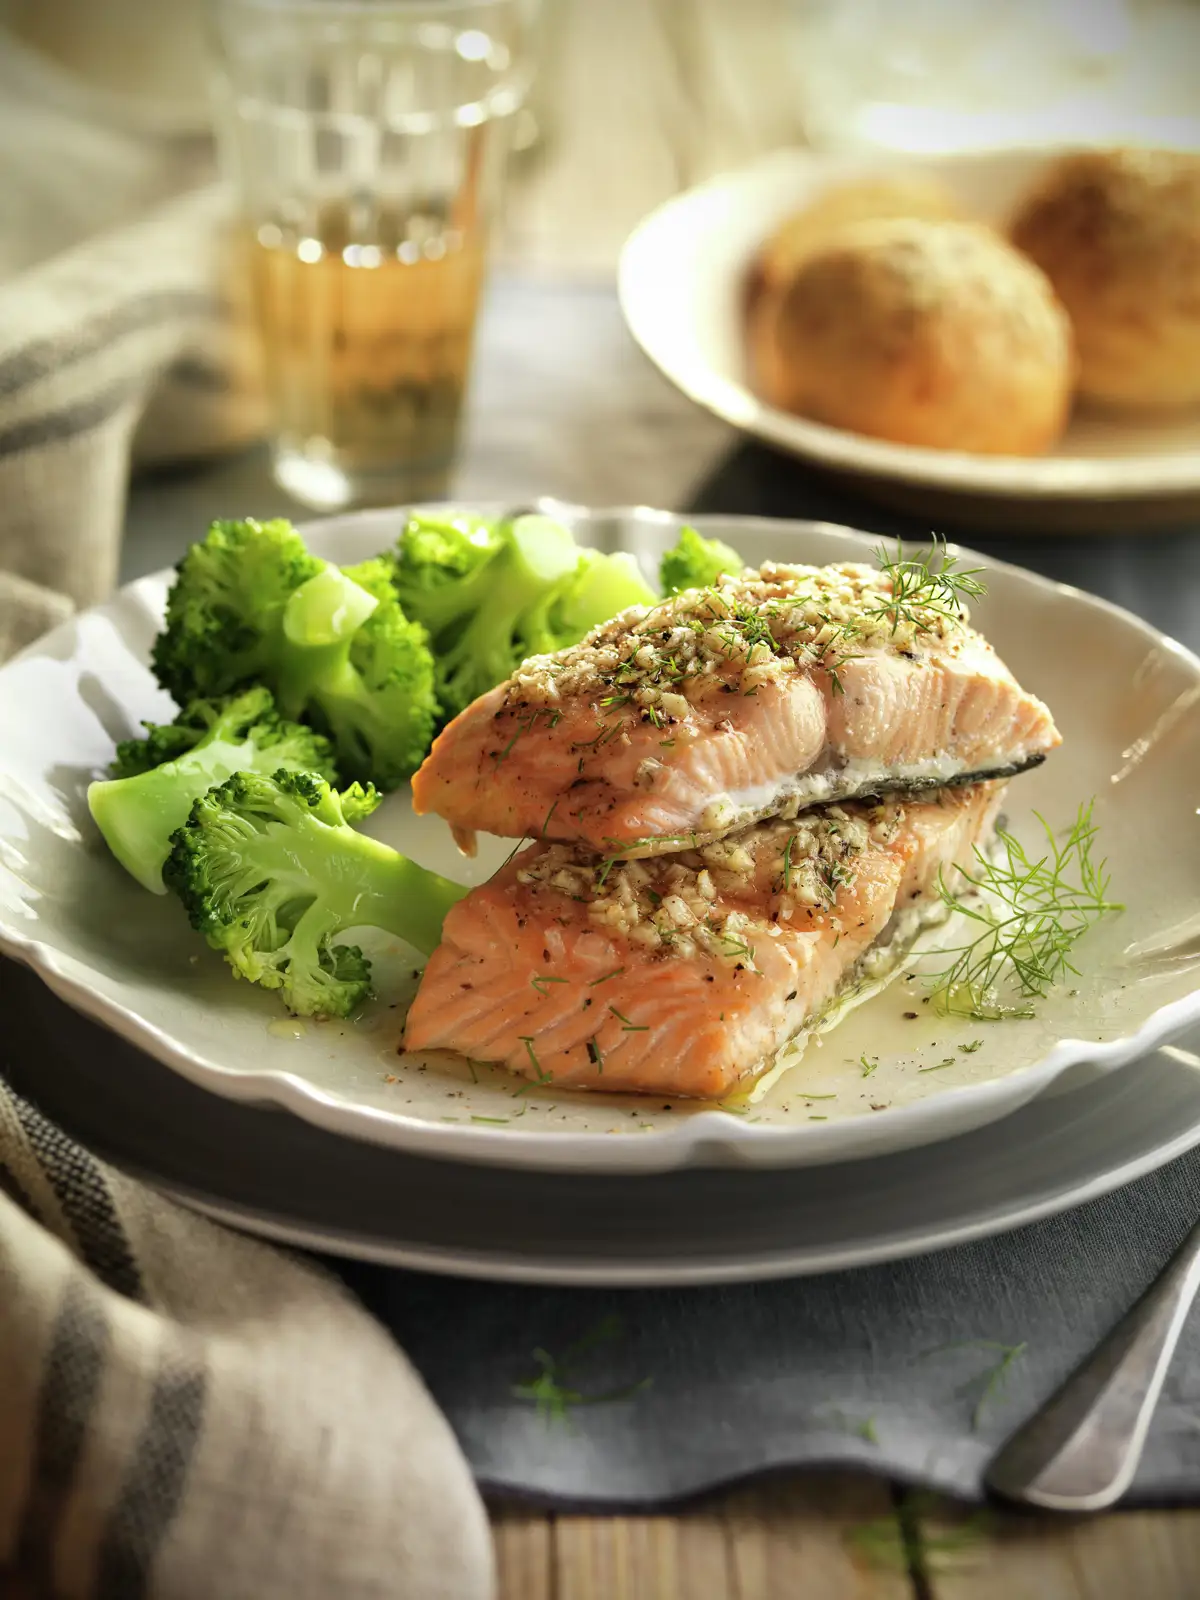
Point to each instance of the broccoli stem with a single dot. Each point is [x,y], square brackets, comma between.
[137,816]
[350,880]
[327,609]
[320,622]
[395,894]
[542,550]
[606,586]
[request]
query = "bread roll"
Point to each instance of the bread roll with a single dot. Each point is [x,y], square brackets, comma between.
[1118,234]
[926,333]
[866,200]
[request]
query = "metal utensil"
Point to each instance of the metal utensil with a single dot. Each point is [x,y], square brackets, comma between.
[1080,1452]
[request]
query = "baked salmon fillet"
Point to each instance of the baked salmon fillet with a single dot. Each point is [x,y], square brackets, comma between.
[683,975]
[778,689]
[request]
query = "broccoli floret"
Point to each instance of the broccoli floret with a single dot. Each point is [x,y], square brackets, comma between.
[165,741]
[139,809]
[272,874]
[483,593]
[492,595]
[695,562]
[251,604]
[225,609]
[433,556]
[376,698]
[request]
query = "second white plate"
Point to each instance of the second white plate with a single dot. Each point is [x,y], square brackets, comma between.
[682,280]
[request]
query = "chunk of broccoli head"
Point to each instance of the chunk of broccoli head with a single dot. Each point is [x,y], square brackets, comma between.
[272,873]
[494,593]
[694,562]
[157,778]
[251,604]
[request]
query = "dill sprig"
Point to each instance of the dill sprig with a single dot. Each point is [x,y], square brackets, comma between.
[787,862]
[627,1026]
[540,1074]
[902,1543]
[553,1388]
[540,980]
[992,1379]
[620,856]
[926,587]
[1029,912]
[834,1418]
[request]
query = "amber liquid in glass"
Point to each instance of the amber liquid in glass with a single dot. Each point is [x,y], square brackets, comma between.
[366,324]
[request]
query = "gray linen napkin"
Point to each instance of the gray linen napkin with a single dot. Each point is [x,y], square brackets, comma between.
[915,1370]
[187,1413]
[123,337]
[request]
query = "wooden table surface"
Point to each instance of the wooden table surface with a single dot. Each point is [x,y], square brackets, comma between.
[647,97]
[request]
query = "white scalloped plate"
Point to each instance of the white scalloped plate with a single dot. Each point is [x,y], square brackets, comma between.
[1127,700]
[681,285]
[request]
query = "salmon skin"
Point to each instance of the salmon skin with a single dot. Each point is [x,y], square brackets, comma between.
[776,690]
[684,975]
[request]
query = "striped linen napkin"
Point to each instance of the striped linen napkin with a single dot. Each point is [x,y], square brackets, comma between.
[125,336]
[188,1414]
[184,1413]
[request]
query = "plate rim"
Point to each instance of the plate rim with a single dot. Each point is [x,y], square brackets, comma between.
[793,1262]
[691,1141]
[1107,1149]
[1018,478]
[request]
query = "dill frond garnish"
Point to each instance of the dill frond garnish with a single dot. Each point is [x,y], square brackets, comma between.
[900,1542]
[926,587]
[994,1380]
[553,1388]
[513,851]
[553,716]
[868,1064]
[541,1076]
[1029,911]
[626,1025]
[844,1422]
[738,949]
[540,980]
[991,1379]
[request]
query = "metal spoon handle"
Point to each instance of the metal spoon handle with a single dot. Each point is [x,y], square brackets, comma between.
[1080,1452]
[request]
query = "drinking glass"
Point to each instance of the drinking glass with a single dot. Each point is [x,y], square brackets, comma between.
[367,140]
